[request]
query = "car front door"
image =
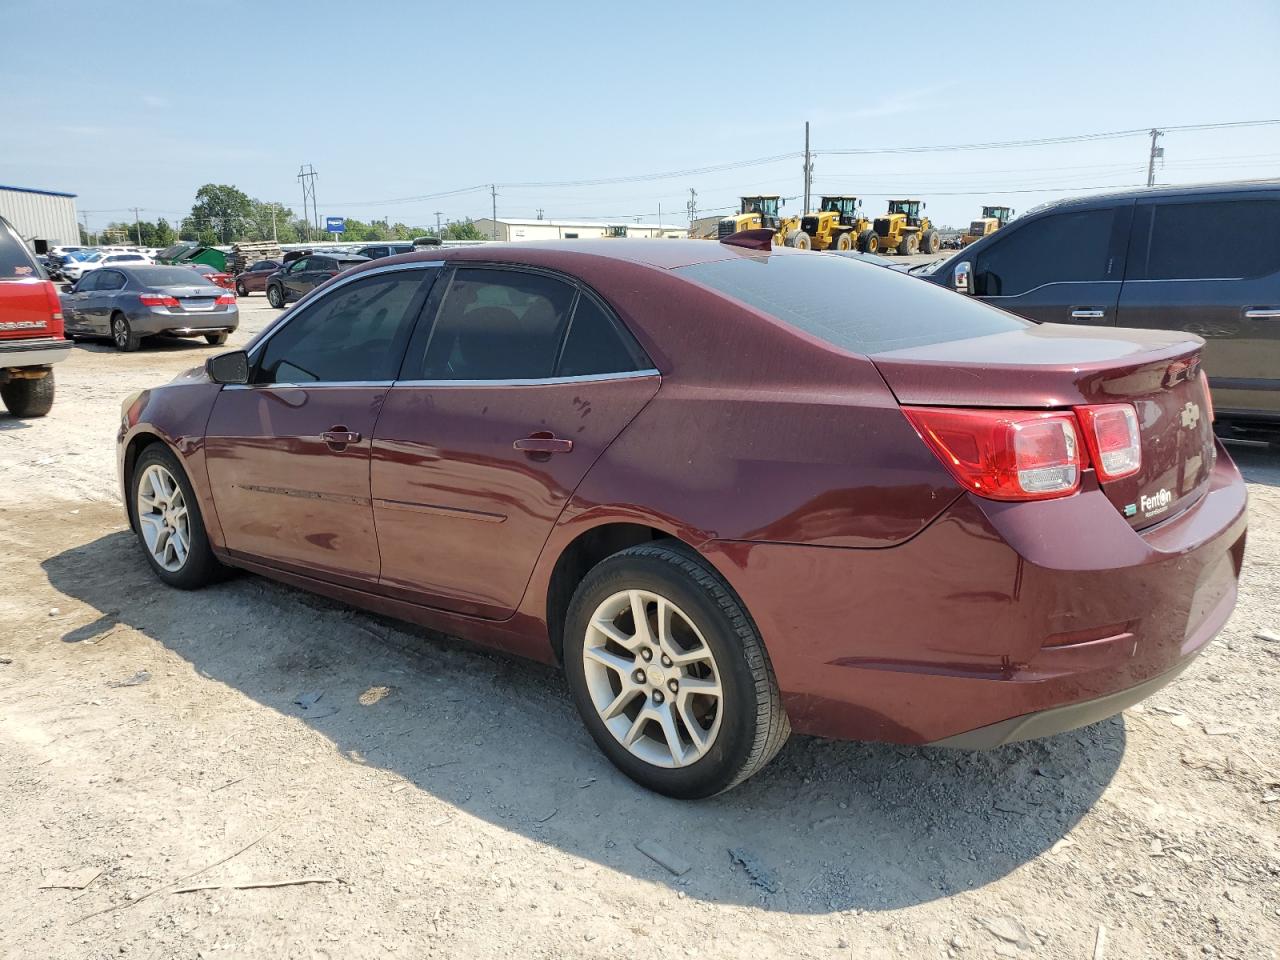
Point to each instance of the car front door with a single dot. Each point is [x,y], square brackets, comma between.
[76,303]
[1227,292]
[105,299]
[505,402]
[288,453]
[1063,267]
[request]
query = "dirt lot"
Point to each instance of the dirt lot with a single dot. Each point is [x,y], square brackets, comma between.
[446,802]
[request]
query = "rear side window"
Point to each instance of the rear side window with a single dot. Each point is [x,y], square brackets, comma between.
[497,325]
[1169,240]
[596,344]
[355,333]
[109,280]
[859,307]
[1061,248]
[16,261]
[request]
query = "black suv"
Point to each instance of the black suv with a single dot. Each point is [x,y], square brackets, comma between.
[303,275]
[1203,258]
[376,251]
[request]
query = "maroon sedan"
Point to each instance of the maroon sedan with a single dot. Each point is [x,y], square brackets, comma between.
[253,279]
[733,491]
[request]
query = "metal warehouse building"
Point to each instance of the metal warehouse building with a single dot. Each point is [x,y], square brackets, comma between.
[41,217]
[572,229]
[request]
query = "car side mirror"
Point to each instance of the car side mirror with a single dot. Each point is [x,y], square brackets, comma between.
[962,278]
[230,367]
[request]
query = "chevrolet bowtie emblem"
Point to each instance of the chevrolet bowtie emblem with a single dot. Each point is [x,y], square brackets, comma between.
[1190,415]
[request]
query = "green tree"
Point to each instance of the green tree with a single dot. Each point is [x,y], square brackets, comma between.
[466,230]
[221,212]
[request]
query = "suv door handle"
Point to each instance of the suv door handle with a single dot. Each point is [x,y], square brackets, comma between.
[340,437]
[543,442]
[1088,313]
[1263,313]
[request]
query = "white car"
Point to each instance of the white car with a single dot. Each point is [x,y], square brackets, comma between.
[75,269]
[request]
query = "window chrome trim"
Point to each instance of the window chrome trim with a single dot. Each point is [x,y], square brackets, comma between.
[1048,283]
[309,385]
[288,316]
[532,382]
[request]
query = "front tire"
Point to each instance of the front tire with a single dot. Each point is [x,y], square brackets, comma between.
[907,245]
[122,334]
[929,243]
[802,241]
[669,673]
[167,519]
[868,241]
[28,398]
[844,241]
[275,296]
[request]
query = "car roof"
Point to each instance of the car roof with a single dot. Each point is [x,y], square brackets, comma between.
[1173,190]
[658,253]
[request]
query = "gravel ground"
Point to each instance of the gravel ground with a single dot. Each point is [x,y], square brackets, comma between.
[440,801]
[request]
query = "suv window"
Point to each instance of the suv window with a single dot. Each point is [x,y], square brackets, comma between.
[1062,247]
[1165,238]
[15,260]
[320,263]
[596,344]
[497,325]
[852,305]
[263,265]
[299,265]
[355,333]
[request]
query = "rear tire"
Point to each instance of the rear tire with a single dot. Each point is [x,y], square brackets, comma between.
[802,241]
[216,339]
[240,290]
[28,398]
[275,296]
[160,496]
[868,242]
[844,241]
[908,244]
[929,242]
[710,643]
[122,334]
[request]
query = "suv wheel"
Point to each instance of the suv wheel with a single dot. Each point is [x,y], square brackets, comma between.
[275,296]
[28,398]
[167,519]
[240,290]
[669,673]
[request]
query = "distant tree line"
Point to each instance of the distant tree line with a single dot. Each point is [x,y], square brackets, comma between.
[224,214]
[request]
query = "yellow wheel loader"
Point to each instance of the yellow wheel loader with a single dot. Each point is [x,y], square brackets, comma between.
[757,213]
[905,230]
[837,225]
[992,219]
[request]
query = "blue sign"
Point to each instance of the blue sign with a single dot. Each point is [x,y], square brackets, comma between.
[335,224]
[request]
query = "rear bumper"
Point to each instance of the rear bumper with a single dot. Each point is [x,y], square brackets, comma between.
[151,321]
[33,353]
[996,618]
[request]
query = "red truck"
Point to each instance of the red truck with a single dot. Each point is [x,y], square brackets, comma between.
[31,337]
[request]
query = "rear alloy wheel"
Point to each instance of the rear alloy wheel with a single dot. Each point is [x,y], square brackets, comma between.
[122,334]
[275,296]
[216,339]
[669,673]
[844,241]
[168,522]
[28,398]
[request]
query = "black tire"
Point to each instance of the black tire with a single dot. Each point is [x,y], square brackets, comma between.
[123,335]
[28,398]
[843,241]
[240,290]
[753,724]
[275,296]
[801,241]
[868,242]
[201,567]
[216,339]
[908,244]
[929,242]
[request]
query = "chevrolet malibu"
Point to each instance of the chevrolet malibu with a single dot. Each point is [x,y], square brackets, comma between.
[732,491]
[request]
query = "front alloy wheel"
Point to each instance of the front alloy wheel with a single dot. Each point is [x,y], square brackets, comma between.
[653,679]
[163,520]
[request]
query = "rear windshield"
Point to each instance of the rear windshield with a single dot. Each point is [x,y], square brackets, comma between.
[168,276]
[859,307]
[16,261]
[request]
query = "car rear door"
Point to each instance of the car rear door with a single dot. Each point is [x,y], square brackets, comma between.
[1062,267]
[1227,291]
[505,401]
[294,279]
[288,453]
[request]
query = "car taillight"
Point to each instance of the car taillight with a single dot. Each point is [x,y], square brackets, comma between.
[226,298]
[157,300]
[55,308]
[1004,454]
[1208,397]
[1111,434]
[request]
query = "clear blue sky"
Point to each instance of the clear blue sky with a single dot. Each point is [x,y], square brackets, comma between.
[138,104]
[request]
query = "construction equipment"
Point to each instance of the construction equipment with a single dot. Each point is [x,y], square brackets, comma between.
[905,230]
[837,225]
[992,219]
[757,213]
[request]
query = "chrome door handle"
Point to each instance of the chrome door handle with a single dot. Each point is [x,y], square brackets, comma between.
[1088,314]
[1265,313]
[340,437]
[543,442]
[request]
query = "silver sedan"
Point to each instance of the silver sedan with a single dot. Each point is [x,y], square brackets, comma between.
[129,303]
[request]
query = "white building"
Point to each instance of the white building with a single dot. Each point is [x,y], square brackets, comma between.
[41,215]
[574,229]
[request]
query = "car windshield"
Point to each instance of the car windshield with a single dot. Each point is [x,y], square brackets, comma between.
[859,307]
[167,276]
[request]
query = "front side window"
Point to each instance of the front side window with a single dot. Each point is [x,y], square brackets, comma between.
[300,265]
[497,325]
[1060,248]
[355,333]
[1171,232]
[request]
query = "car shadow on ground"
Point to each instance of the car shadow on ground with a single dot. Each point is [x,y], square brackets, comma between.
[826,827]
[153,344]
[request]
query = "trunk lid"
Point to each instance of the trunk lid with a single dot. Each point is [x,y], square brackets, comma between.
[1053,366]
[29,308]
[193,299]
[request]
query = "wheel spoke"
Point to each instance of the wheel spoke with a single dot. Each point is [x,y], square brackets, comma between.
[619,665]
[179,542]
[639,614]
[152,526]
[614,633]
[620,702]
[697,735]
[694,685]
[637,726]
[682,658]
[670,731]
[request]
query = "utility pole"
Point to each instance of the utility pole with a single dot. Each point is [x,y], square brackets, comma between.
[274,238]
[1156,153]
[137,224]
[659,218]
[493,191]
[307,176]
[692,208]
[540,213]
[438,233]
[87,235]
[808,169]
